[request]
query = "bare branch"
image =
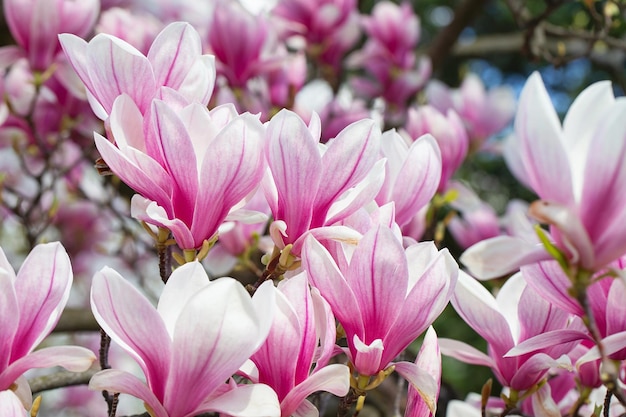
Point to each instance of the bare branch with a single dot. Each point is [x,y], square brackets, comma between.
[60,379]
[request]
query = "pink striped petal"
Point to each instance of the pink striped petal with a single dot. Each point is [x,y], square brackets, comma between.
[464,352]
[133,323]
[173,52]
[8,308]
[534,369]
[212,350]
[327,278]
[478,308]
[42,288]
[547,340]
[333,378]
[428,359]
[498,256]
[378,256]
[418,178]
[422,381]
[347,161]
[115,67]
[113,380]
[294,160]
[539,130]
[72,358]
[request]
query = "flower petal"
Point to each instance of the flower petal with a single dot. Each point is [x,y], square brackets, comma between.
[114,380]
[133,323]
[42,288]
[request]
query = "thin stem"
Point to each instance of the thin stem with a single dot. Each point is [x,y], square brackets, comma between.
[346,403]
[103,357]
[60,379]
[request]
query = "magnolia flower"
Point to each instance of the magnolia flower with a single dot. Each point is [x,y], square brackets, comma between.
[310,185]
[302,334]
[191,166]
[483,112]
[35,25]
[448,131]
[384,297]
[31,304]
[515,316]
[110,67]
[198,336]
[578,172]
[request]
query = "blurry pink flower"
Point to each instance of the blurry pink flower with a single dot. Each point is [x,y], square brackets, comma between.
[137,28]
[449,133]
[484,113]
[412,174]
[31,304]
[330,27]
[191,166]
[310,185]
[516,315]
[476,221]
[384,297]
[35,25]
[110,67]
[389,56]
[302,334]
[199,335]
[335,111]
[244,45]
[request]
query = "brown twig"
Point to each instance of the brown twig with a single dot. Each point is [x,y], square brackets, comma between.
[60,379]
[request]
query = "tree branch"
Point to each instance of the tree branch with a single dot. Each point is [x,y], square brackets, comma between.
[441,46]
[77,320]
[60,379]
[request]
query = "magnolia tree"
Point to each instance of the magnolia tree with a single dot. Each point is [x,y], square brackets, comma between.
[264,230]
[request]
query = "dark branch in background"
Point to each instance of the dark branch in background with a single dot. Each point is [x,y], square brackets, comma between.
[59,380]
[77,320]
[464,14]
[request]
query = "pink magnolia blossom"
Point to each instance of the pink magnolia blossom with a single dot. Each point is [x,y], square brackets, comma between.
[412,174]
[302,334]
[329,27]
[310,185]
[190,165]
[244,45]
[110,67]
[198,336]
[35,25]
[476,221]
[389,55]
[31,305]
[483,112]
[384,297]
[448,131]
[516,315]
[577,170]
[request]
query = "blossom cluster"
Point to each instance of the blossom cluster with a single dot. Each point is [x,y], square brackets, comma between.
[295,225]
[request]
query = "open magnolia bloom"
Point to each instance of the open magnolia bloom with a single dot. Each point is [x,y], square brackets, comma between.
[30,306]
[577,170]
[110,67]
[190,165]
[198,336]
[384,297]
[311,185]
[515,316]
